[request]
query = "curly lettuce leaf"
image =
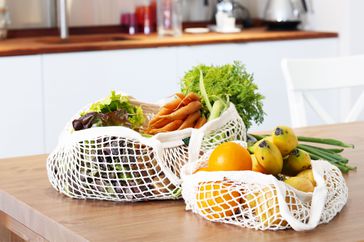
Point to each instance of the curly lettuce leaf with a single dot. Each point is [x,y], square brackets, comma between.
[227,82]
[114,110]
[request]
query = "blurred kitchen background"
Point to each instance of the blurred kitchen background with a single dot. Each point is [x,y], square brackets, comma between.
[54,78]
[342,16]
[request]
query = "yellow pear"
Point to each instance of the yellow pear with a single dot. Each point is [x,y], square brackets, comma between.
[297,161]
[300,183]
[256,166]
[266,206]
[269,157]
[309,175]
[285,139]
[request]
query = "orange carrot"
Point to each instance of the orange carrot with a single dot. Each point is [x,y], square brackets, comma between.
[190,120]
[183,112]
[161,122]
[163,111]
[200,122]
[172,126]
[193,96]
[189,98]
[180,95]
[174,104]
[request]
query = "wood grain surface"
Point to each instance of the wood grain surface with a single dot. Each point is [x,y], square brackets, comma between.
[76,43]
[27,197]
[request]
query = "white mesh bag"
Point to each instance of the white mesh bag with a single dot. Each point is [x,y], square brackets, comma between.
[119,164]
[255,200]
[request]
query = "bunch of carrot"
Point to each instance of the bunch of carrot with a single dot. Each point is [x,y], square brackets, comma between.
[180,113]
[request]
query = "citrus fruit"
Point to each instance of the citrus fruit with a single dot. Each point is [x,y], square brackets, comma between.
[201,169]
[230,156]
[216,200]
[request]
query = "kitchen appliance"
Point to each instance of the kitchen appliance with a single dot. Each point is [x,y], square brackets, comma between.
[224,15]
[285,14]
[236,10]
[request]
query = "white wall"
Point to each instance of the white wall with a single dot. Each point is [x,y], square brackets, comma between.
[31,13]
[343,16]
[356,28]
[97,12]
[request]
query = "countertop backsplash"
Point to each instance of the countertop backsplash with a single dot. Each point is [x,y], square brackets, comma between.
[42,13]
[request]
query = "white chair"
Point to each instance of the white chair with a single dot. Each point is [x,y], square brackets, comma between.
[303,76]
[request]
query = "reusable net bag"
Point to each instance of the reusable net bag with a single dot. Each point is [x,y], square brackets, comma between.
[120,164]
[255,200]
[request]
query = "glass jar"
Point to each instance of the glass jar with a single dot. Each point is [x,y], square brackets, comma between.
[169,17]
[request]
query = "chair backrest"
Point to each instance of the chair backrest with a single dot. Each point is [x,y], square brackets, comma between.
[305,75]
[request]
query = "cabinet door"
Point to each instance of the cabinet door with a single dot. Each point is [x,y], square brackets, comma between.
[73,80]
[263,59]
[21,123]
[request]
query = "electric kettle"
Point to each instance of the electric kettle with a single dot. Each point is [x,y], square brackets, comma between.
[284,14]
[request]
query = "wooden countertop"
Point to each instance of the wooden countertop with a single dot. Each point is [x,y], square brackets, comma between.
[30,205]
[52,44]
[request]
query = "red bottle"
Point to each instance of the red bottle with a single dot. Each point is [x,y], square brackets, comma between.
[145,13]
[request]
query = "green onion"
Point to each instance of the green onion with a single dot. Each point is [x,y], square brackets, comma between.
[325,156]
[318,153]
[324,141]
[333,155]
[335,151]
[314,157]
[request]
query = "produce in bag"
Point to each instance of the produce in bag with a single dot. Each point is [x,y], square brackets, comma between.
[102,155]
[104,152]
[255,200]
[122,150]
[312,193]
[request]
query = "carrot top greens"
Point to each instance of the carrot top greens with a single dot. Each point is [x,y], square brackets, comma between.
[219,85]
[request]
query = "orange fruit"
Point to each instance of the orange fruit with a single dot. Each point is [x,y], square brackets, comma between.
[202,169]
[230,156]
[216,201]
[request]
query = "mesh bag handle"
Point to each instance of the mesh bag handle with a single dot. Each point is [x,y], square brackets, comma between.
[197,135]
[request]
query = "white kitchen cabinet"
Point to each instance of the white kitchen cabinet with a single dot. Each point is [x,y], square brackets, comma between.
[73,80]
[264,60]
[21,123]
